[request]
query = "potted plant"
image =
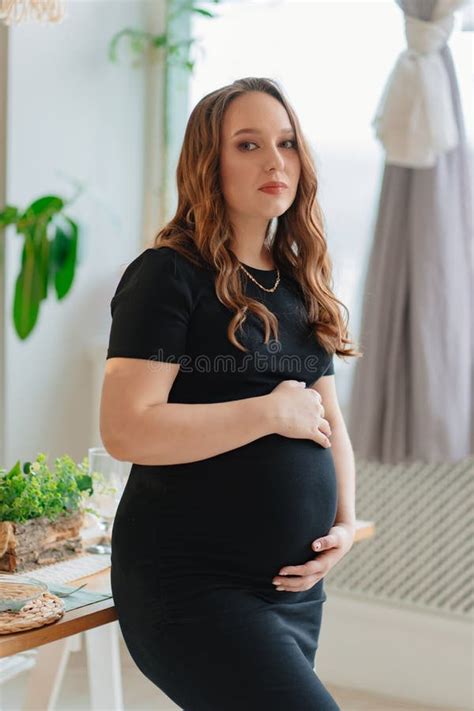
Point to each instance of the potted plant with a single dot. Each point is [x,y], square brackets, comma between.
[42,511]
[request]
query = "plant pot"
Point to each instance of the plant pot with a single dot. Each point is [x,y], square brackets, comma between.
[39,541]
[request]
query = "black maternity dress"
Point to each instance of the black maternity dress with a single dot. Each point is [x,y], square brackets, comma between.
[195,546]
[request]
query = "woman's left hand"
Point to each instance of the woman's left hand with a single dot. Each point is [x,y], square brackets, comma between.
[332,547]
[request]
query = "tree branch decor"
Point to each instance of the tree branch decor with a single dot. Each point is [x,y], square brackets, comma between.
[16,11]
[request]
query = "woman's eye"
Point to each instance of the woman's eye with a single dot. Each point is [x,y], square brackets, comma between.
[246,143]
[249,143]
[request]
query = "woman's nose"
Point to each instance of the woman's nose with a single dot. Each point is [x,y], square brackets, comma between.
[274,159]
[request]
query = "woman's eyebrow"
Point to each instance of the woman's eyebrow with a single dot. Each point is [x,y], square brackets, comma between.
[256,130]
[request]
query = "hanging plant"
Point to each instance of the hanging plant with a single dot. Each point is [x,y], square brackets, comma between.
[141,42]
[172,48]
[49,256]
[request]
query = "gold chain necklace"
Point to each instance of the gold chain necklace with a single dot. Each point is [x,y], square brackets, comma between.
[256,282]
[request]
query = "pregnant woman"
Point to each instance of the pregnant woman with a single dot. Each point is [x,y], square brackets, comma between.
[219,388]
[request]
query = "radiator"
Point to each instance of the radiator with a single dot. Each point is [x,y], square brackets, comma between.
[422,554]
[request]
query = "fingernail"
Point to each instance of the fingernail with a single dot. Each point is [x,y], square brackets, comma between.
[280,588]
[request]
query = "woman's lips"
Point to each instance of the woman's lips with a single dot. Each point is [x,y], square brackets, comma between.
[273,190]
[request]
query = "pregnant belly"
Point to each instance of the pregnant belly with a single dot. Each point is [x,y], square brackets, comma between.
[237,518]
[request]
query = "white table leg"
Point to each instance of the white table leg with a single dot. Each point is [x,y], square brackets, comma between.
[44,680]
[104,670]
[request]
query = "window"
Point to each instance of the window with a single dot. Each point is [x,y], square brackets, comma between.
[333,59]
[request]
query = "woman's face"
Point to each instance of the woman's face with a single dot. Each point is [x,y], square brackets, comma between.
[258,146]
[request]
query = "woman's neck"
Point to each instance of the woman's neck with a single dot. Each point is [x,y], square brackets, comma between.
[262,261]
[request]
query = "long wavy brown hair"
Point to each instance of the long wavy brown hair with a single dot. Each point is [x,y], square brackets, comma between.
[202,232]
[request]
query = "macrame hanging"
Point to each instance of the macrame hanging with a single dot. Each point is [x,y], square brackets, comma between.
[16,11]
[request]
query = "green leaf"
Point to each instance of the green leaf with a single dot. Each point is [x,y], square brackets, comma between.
[42,252]
[201,11]
[44,207]
[63,263]
[28,291]
[35,490]
[159,40]
[84,483]
[48,204]
[138,40]
[8,216]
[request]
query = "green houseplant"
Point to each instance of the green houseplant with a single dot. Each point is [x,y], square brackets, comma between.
[170,52]
[49,256]
[42,510]
[175,50]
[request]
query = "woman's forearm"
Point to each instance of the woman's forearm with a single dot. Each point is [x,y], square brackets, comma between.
[343,456]
[175,433]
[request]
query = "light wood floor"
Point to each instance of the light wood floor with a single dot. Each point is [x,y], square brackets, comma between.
[141,695]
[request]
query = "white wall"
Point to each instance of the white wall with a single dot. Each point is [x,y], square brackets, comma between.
[3,187]
[72,114]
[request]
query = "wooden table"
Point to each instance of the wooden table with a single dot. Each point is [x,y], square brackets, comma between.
[102,642]
[72,622]
[59,639]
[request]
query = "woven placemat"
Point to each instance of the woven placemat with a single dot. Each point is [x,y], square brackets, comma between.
[43,610]
[78,566]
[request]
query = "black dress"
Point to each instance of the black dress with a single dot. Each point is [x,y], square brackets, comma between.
[195,546]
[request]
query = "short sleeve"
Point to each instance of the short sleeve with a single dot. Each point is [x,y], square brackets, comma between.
[151,308]
[330,368]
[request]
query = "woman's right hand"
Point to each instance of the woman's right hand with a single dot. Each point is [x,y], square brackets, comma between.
[299,412]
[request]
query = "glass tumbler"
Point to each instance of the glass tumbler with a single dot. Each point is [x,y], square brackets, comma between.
[108,491]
